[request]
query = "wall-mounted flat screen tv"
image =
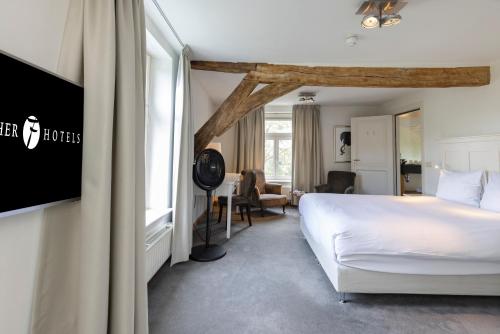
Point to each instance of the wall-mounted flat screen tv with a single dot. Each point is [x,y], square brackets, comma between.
[41,136]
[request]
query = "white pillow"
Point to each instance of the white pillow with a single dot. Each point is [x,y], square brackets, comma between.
[491,196]
[461,187]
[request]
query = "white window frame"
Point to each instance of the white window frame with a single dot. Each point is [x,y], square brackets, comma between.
[159,216]
[276,137]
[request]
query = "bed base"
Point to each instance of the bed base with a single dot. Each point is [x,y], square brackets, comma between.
[351,280]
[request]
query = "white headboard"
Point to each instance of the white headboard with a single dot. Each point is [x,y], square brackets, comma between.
[471,153]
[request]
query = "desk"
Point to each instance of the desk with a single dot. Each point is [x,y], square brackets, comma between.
[227,188]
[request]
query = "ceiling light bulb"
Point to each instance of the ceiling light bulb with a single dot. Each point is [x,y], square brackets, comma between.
[391,20]
[370,22]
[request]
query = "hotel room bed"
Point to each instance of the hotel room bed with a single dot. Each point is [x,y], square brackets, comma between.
[388,244]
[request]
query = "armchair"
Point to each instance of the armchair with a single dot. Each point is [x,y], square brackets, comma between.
[267,194]
[339,182]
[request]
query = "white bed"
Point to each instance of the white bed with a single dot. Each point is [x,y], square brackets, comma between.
[418,244]
[404,235]
[423,245]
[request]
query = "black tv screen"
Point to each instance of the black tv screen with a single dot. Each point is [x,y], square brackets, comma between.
[41,135]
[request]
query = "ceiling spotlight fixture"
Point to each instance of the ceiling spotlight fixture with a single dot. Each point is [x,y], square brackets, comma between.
[380,13]
[370,22]
[391,20]
[307,97]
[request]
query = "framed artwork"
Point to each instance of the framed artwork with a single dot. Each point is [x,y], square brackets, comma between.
[342,143]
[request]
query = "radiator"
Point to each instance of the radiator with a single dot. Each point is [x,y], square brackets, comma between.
[158,250]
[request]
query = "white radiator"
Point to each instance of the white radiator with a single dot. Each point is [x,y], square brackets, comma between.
[158,250]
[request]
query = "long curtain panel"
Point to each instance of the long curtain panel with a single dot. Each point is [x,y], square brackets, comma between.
[91,271]
[307,150]
[182,237]
[249,143]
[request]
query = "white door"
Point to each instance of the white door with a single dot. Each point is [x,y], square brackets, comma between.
[372,140]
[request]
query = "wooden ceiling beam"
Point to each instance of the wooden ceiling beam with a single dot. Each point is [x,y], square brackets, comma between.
[256,100]
[237,106]
[218,66]
[373,77]
[282,79]
[369,77]
[220,118]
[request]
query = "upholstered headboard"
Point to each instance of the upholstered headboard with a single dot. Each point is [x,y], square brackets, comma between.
[471,153]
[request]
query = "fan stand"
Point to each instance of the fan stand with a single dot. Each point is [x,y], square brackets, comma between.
[207,252]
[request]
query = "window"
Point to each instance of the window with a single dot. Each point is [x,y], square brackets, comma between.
[159,129]
[278,148]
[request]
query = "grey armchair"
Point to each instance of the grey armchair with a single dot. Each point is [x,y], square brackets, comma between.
[339,182]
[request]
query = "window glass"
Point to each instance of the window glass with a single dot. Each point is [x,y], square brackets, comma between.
[278,148]
[284,158]
[269,165]
[278,126]
[159,128]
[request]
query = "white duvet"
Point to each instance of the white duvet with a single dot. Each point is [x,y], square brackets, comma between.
[407,235]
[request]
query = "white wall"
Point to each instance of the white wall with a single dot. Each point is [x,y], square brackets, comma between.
[203,107]
[331,117]
[447,112]
[31,30]
[452,112]
[201,104]
[227,140]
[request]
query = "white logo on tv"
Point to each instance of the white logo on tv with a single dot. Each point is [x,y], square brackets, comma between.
[31,132]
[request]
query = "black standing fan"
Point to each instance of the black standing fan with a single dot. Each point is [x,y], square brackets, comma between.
[208,174]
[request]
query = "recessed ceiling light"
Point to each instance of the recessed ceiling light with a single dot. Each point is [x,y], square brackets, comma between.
[370,22]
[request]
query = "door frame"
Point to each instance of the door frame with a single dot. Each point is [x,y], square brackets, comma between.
[397,152]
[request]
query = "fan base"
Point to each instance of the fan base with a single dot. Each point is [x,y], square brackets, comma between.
[203,253]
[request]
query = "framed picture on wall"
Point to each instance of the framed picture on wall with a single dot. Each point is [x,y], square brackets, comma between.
[342,143]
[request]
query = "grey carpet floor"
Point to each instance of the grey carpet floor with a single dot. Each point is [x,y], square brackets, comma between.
[270,282]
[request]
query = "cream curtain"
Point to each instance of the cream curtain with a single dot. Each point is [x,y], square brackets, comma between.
[250,139]
[91,276]
[307,150]
[183,164]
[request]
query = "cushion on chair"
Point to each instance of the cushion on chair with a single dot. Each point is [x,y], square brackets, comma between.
[269,200]
[273,188]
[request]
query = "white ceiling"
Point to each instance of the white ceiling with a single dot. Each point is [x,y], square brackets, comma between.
[432,33]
